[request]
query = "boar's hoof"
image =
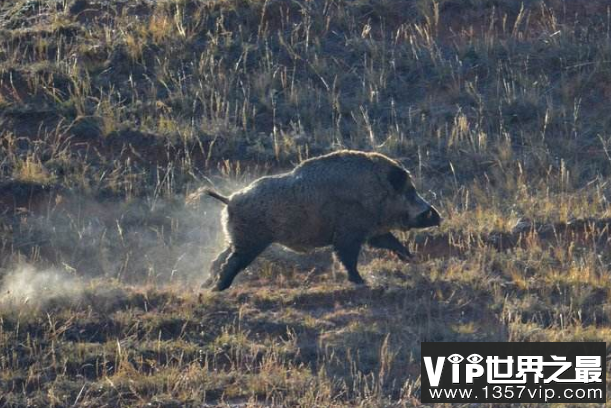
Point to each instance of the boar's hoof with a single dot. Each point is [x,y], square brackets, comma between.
[217,288]
[357,280]
[220,286]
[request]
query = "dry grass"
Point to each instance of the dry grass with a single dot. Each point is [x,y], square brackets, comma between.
[111,112]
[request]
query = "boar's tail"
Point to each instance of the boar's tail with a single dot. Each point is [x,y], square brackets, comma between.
[216,195]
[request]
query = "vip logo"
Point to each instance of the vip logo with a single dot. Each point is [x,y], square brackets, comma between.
[588,369]
[513,372]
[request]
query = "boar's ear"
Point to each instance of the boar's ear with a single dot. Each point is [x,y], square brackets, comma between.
[397,178]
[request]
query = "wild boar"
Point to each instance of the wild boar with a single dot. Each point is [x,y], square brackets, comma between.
[344,199]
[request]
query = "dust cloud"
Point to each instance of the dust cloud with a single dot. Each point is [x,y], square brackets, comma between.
[26,285]
[53,253]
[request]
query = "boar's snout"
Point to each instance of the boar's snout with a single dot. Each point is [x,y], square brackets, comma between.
[421,213]
[428,218]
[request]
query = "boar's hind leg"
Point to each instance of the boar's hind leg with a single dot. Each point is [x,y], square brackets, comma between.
[236,262]
[348,254]
[390,242]
[216,265]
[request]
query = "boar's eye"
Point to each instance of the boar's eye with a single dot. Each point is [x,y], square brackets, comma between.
[397,178]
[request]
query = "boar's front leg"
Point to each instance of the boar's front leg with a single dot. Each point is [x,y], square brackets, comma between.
[347,250]
[390,242]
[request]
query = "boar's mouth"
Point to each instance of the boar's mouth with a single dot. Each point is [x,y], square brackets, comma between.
[429,218]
